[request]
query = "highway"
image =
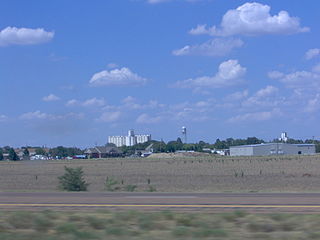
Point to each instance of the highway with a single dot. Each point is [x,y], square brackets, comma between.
[215,202]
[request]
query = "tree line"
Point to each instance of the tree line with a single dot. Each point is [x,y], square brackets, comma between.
[157,147]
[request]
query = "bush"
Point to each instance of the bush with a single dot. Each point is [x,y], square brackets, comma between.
[73,180]
[130,188]
[151,189]
[42,223]
[111,185]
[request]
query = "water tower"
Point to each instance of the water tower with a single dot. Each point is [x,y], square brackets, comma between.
[184,134]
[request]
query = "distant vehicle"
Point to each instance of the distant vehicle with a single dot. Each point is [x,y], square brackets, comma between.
[79,157]
[39,157]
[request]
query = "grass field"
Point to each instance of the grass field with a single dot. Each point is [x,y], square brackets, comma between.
[198,174]
[48,225]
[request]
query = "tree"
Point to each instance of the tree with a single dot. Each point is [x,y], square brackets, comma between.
[73,180]
[1,155]
[12,155]
[26,152]
[40,151]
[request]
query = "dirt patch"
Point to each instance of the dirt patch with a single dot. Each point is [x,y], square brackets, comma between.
[173,174]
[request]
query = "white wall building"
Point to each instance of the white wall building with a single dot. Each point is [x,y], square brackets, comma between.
[272,149]
[129,140]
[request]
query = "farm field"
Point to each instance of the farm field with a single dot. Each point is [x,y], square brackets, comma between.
[175,174]
[156,225]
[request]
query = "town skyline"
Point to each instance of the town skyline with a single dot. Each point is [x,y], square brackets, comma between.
[74,74]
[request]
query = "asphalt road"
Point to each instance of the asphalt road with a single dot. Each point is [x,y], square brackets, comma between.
[255,202]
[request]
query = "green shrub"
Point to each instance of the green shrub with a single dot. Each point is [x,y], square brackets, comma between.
[66,228]
[130,188]
[146,222]
[116,230]
[21,220]
[209,232]
[42,224]
[73,180]
[151,189]
[181,231]
[96,223]
[111,185]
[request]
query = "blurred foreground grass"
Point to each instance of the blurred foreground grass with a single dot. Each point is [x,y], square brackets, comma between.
[50,225]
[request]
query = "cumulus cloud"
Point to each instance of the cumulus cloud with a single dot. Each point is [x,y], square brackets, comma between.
[253,19]
[256,116]
[50,98]
[275,74]
[24,36]
[313,104]
[38,115]
[157,1]
[229,74]
[214,47]
[121,77]
[263,97]
[145,118]
[109,117]
[301,80]
[312,53]
[236,96]
[3,118]
[316,68]
[162,1]
[92,102]
[112,65]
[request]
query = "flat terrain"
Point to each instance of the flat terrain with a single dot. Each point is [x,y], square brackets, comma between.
[207,202]
[188,174]
[164,225]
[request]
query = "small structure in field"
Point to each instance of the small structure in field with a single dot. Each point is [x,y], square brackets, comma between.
[266,149]
[103,152]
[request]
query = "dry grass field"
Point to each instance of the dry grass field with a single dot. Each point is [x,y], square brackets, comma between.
[174,174]
[49,225]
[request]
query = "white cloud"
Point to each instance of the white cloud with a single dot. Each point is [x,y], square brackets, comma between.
[316,68]
[112,65]
[256,116]
[72,102]
[263,97]
[267,91]
[214,47]
[302,80]
[157,1]
[94,102]
[313,104]
[145,118]
[35,115]
[162,1]
[312,53]
[229,74]
[121,77]
[3,118]
[237,96]
[275,74]
[253,19]
[38,115]
[24,36]
[109,117]
[131,103]
[50,98]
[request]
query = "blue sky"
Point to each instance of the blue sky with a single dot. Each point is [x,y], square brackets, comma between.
[74,72]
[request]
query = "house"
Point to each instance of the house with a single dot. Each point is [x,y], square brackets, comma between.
[103,152]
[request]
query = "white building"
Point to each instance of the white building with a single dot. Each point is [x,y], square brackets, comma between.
[272,149]
[129,140]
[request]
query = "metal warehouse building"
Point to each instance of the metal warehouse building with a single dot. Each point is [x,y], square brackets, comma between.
[272,149]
